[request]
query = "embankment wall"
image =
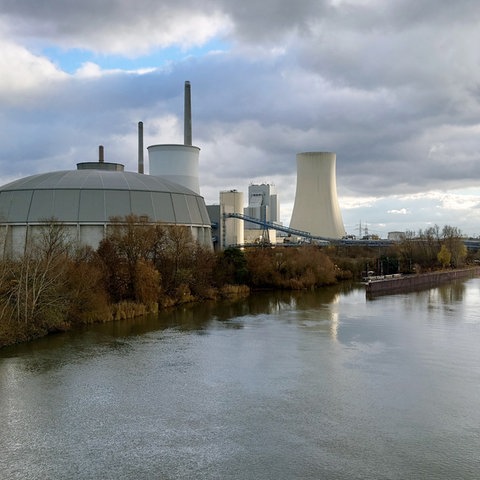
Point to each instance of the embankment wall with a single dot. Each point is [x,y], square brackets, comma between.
[417,282]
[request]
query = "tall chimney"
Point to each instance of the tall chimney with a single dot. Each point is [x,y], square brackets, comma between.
[100,153]
[140,147]
[187,116]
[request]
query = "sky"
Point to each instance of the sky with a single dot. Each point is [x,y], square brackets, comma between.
[392,87]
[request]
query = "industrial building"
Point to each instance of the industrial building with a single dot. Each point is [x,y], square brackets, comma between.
[227,231]
[87,199]
[264,205]
[316,212]
[316,209]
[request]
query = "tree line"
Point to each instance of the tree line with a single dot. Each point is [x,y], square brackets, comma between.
[137,268]
[140,267]
[417,252]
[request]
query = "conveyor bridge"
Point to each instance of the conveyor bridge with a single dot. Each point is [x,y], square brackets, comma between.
[471,244]
[280,228]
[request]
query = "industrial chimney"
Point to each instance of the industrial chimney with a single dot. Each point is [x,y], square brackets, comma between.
[140,147]
[187,118]
[101,164]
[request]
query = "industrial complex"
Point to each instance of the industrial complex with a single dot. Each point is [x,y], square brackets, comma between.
[87,200]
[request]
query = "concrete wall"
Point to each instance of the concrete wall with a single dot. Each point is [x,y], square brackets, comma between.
[14,237]
[416,282]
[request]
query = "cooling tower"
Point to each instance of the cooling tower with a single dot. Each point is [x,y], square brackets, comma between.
[176,163]
[316,209]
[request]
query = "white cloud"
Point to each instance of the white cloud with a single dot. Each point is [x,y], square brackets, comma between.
[23,73]
[89,70]
[353,203]
[401,211]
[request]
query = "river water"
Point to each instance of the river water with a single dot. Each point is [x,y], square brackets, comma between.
[323,385]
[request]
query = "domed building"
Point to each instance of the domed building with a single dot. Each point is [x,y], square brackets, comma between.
[86,200]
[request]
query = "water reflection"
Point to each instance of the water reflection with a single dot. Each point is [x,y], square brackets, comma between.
[277,386]
[445,296]
[313,310]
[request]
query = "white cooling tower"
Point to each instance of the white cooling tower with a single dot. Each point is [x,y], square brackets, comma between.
[177,163]
[316,209]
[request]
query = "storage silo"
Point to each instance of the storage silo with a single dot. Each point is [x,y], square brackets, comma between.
[231,229]
[316,209]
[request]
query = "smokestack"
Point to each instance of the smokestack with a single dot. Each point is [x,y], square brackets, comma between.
[100,153]
[140,147]
[187,116]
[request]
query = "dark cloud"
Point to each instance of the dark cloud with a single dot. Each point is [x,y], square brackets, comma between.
[110,26]
[391,87]
[269,20]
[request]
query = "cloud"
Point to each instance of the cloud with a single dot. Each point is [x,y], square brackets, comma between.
[23,74]
[391,87]
[113,26]
[401,211]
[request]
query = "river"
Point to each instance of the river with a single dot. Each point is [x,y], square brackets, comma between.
[317,385]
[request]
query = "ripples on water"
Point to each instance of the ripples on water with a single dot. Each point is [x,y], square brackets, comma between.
[278,386]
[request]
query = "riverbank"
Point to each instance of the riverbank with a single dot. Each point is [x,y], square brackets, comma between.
[407,283]
[13,332]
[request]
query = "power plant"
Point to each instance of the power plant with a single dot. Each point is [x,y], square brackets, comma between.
[86,201]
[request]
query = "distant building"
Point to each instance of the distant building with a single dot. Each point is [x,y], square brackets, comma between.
[226,231]
[230,229]
[396,236]
[264,205]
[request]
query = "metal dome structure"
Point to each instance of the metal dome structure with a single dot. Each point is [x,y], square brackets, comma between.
[86,200]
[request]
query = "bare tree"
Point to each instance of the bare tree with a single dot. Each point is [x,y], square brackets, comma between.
[127,252]
[35,282]
[453,240]
[177,257]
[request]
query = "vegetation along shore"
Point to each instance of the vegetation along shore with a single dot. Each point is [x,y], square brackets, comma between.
[141,267]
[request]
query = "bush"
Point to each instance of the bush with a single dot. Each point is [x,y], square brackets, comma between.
[290,268]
